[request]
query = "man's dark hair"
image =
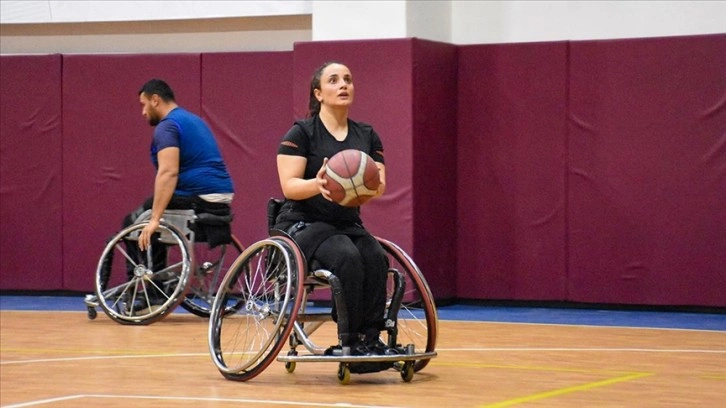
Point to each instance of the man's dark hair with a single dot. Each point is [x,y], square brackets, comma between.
[158,87]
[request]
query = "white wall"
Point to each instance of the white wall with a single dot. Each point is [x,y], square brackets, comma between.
[358,19]
[478,22]
[274,25]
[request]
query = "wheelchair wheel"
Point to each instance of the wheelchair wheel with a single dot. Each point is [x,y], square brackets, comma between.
[417,319]
[141,287]
[210,267]
[266,279]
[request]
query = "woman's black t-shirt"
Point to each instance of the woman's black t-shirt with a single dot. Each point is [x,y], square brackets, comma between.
[310,139]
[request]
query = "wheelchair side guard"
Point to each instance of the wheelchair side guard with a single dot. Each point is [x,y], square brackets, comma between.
[337,291]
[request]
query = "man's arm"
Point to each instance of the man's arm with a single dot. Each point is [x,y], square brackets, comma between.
[164,186]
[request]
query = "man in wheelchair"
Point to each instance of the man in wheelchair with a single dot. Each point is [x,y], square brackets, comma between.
[329,234]
[190,173]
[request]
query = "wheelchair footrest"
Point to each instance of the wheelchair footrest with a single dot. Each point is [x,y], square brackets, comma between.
[355,359]
[91,301]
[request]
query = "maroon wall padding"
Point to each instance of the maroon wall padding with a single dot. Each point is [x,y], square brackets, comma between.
[247,100]
[647,177]
[590,171]
[107,171]
[31,252]
[434,164]
[382,76]
[511,171]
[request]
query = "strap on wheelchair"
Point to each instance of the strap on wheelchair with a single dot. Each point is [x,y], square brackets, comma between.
[212,219]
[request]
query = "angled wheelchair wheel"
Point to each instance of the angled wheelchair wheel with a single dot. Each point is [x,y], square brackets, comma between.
[211,265]
[266,280]
[417,319]
[141,287]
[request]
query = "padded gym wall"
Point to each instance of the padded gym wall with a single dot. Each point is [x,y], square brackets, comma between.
[590,171]
[647,171]
[433,162]
[31,143]
[107,172]
[511,171]
[246,99]
[593,171]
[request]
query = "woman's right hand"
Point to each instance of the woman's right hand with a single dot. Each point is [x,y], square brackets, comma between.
[322,181]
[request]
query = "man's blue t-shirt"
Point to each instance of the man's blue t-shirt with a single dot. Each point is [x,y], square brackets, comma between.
[201,167]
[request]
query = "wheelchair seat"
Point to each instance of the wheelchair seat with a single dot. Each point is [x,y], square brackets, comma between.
[187,221]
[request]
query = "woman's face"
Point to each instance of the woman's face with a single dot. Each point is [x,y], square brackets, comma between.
[336,87]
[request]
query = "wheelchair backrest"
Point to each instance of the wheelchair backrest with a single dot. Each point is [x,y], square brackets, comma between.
[273,209]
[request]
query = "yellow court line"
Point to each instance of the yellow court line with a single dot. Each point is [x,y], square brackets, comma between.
[714,377]
[529,368]
[567,390]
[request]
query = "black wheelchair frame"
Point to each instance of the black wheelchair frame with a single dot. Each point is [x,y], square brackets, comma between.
[268,287]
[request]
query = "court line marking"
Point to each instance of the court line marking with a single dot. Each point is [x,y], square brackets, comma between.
[66,359]
[566,390]
[182,312]
[590,325]
[614,349]
[200,399]
[538,396]
[43,401]
[487,349]
[620,376]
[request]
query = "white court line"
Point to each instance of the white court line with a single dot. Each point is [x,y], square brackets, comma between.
[591,325]
[448,350]
[200,399]
[44,401]
[52,360]
[617,350]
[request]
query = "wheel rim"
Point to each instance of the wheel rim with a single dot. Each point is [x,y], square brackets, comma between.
[158,281]
[264,281]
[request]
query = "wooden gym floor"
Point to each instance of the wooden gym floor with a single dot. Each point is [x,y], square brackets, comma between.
[52,355]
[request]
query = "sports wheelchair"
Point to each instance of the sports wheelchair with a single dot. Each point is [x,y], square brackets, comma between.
[269,285]
[179,268]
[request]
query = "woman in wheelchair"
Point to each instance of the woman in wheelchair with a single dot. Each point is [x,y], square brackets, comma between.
[330,235]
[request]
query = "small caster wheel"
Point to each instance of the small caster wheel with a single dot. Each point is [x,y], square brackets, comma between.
[92,313]
[407,371]
[290,365]
[343,374]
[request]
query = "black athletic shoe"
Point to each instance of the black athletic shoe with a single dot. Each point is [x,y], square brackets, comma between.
[356,349]
[379,348]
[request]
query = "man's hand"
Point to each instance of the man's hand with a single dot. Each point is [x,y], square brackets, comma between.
[145,237]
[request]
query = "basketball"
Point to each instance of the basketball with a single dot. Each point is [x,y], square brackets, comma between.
[352,177]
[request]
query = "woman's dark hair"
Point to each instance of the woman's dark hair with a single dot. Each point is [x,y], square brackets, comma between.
[314,104]
[158,87]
